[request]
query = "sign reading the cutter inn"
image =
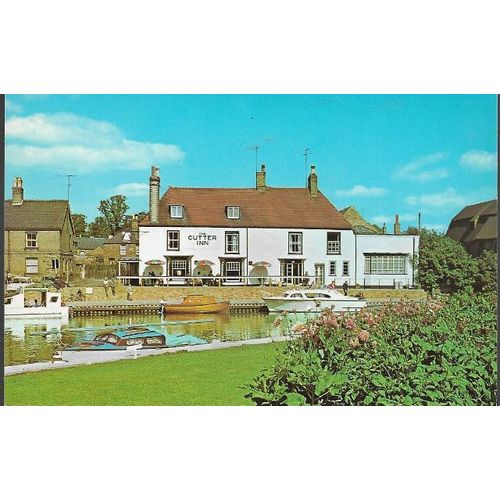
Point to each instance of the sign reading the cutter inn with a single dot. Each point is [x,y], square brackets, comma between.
[202,238]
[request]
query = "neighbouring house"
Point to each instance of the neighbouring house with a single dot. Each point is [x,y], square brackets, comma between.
[88,253]
[38,236]
[122,251]
[265,234]
[358,223]
[475,226]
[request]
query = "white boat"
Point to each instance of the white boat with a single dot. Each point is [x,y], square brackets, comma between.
[46,305]
[313,301]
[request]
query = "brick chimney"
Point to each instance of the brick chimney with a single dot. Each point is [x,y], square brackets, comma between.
[260,179]
[312,182]
[397,225]
[134,224]
[154,194]
[17,191]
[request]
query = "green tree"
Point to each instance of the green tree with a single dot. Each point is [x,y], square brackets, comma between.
[444,263]
[79,224]
[99,228]
[113,211]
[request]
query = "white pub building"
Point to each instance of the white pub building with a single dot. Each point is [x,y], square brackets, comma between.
[265,235]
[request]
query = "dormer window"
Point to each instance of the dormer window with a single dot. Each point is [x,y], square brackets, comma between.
[233,212]
[176,211]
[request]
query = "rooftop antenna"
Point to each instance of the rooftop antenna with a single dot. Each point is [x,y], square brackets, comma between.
[306,154]
[256,147]
[69,180]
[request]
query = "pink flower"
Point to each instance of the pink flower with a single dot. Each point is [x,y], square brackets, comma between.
[277,321]
[363,336]
[350,324]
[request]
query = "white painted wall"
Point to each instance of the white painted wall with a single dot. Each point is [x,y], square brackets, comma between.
[385,243]
[272,244]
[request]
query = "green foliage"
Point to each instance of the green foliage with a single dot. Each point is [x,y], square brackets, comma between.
[113,211]
[487,272]
[99,228]
[444,264]
[79,224]
[405,354]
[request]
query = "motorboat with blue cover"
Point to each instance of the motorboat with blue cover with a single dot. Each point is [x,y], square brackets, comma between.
[116,343]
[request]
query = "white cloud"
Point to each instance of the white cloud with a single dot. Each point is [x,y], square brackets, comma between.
[12,107]
[380,219]
[79,143]
[479,161]
[418,170]
[359,190]
[131,189]
[446,199]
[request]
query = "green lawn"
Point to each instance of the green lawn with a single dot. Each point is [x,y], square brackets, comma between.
[197,378]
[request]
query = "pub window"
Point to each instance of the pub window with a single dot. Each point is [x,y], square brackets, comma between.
[123,249]
[176,211]
[232,242]
[233,212]
[179,267]
[345,268]
[385,264]
[173,240]
[31,240]
[55,264]
[32,266]
[333,268]
[333,243]
[294,242]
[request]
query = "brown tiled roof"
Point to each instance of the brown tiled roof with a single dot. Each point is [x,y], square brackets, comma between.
[275,207]
[121,238]
[484,208]
[37,215]
[486,231]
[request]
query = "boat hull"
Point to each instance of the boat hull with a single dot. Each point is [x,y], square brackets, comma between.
[197,309]
[280,304]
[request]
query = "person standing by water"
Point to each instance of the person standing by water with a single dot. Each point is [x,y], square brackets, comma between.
[345,287]
[105,284]
[112,285]
[129,292]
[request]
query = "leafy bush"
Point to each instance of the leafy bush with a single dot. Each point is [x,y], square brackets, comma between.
[432,353]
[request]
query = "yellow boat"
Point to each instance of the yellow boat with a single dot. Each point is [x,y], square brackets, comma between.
[197,304]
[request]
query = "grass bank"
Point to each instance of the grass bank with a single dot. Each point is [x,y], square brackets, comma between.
[206,378]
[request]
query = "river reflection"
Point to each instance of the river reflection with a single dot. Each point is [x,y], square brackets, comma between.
[28,342]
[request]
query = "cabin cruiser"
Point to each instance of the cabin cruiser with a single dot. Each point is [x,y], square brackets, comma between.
[313,301]
[118,342]
[45,305]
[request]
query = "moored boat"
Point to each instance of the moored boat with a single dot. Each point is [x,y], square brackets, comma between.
[313,300]
[116,343]
[46,304]
[197,304]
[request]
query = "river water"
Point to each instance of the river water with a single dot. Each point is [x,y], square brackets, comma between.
[28,341]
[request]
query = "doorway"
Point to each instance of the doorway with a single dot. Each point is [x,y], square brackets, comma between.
[319,273]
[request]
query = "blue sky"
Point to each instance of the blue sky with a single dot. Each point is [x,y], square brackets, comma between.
[384,154]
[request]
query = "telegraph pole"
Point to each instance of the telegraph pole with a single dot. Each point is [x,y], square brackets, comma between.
[306,154]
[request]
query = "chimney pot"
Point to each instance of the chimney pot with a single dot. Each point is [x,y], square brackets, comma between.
[17,191]
[260,179]
[397,225]
[312,182]
[154,194]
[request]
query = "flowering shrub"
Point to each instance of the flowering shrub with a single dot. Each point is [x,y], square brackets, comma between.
[406,353]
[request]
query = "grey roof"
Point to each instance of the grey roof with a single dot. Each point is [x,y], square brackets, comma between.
[36,215]
[86,243]
[475,222]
